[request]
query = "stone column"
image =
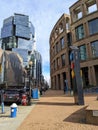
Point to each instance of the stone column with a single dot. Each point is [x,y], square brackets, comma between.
[94,76]
[89,75]
[61,79]
[97,4]
[53,83]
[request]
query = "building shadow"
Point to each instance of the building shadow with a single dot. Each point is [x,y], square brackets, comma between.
[2,116]
[55,103]
[77,117]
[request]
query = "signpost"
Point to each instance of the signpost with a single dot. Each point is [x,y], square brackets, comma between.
[76,76]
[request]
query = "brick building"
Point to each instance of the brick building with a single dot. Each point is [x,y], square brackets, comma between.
[79,29]
[84,29]
[59,52]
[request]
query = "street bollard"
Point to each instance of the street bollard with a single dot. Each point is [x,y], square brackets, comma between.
[13,110]
[2,107]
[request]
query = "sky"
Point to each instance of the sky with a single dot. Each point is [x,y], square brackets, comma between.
[43,14]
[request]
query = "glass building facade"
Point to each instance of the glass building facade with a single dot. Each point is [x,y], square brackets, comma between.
[17,30]
[17,34]
[83,52]
[94,47]
[79,32]
[37,68]
[93,26]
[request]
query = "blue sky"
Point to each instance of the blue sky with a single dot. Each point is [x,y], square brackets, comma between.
[43,14]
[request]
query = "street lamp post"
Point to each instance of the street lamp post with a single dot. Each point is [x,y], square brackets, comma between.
[2,91]
[30,76]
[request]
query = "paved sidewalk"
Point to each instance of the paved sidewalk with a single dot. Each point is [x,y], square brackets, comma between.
[56,111]
[8,123]
[53,111]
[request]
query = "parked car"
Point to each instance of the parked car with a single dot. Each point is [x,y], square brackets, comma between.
[12,95]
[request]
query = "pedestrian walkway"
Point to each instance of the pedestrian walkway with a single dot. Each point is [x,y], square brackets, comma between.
[57,111]
[8,123]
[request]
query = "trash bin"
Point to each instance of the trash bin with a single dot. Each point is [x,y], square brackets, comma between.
[35,93]
[13,110]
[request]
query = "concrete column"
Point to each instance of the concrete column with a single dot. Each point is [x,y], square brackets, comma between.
[84,9]
[71,17]
[68,78]
[53,83]
[86,29]
[89,75]
[88,50]
[94,76]
[73,35]
[61,79]
[60,62]
[57,82]
[97,4]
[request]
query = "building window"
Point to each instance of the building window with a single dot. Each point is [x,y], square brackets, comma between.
[62,42]
[79,32]
[63,59]
[60,28]
[56,33]
[57,48]
[67,24]
[91,6]
[69,39]
[53,51]
[94,47]
[83,52]
[58,62]
[77,13]
[54,65]
[93,26]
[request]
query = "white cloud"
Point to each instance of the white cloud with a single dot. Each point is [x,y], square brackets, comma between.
[43,14]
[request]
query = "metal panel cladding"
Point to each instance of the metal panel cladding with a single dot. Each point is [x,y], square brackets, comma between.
[7,31]
[20,19]
[32,30]
[21,23]
[22,31]
[8,21]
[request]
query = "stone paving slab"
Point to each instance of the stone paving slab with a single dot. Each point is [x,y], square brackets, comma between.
[93,106]
[8,123]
